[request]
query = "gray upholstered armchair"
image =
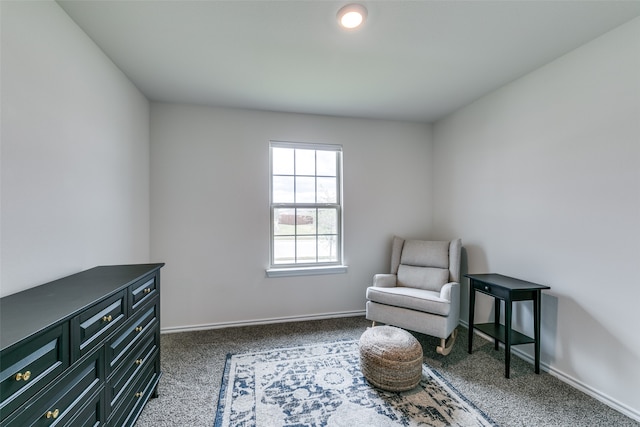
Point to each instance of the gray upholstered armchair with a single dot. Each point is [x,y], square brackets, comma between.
[422,293]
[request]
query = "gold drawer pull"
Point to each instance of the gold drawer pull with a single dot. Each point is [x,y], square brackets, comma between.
[147,290]
[138,394]
[139,361]
[23,377]
[138,328]
[107,318]
[53,414]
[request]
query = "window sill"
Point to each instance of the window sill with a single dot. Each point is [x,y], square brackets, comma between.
[306,271]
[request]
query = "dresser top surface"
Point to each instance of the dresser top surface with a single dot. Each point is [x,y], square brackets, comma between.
[30,311]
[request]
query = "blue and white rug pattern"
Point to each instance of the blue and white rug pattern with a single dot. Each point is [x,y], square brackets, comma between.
[322,385]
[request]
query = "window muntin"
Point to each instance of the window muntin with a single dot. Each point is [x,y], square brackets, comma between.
[306,211]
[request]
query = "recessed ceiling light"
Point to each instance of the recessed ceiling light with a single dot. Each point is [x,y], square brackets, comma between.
[352,16]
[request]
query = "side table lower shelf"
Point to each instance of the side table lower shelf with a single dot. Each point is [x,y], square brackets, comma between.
[499,332]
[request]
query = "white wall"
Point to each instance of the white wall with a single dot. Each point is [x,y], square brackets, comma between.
[542,181]
[75,152]
[210,210]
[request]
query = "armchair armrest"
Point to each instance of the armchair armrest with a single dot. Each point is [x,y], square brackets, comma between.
[385,280]
[450,291]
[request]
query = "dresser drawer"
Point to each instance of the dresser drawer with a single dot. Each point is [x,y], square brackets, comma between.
[141,292]
[130,369]
[95,323]
[27,368]
[131,334]
[134,398]
[65,400]
[91,415]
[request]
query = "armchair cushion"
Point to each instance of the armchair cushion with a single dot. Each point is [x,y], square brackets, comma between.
[414,299]
[422,277]
[425,253]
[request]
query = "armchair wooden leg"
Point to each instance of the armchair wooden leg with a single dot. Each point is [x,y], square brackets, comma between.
[373,324]
[446,345]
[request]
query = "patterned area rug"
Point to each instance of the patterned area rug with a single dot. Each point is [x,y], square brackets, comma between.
[321,385]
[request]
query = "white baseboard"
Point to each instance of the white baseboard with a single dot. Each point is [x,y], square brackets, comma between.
[267,321]
[573,382]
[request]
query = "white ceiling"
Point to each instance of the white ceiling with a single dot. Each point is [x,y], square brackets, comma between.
[413,60]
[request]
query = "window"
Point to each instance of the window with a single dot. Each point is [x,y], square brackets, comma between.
[306,207]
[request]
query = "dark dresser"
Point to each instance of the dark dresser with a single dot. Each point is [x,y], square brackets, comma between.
[83,350]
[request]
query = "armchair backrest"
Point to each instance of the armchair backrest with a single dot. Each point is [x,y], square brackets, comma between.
[425,264]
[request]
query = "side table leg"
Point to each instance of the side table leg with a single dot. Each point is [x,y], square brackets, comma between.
[507,338]
[536,326]
[496,320]
[472,303]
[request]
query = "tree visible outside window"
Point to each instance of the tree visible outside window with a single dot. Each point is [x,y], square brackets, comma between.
[306,211]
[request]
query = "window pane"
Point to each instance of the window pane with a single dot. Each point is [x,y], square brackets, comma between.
[282,159]
[284,249]
[305,249]
[305,162]
[284,222]
[283,189]
[305,221]
[326,163]
[305,189]
[327,190]
[327,249]
[327,221]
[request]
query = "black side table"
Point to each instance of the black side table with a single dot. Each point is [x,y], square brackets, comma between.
[508,290]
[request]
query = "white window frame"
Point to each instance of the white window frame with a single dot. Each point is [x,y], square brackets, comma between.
[313,268]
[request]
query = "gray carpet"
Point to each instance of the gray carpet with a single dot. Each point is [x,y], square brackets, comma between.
[193,363]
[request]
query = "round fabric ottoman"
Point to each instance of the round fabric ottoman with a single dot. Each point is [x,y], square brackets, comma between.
[390,358]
